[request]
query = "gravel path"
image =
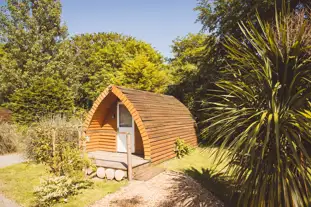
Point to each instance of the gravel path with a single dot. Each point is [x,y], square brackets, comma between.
[7,160]
[4,202]
[167,189]
[11,159]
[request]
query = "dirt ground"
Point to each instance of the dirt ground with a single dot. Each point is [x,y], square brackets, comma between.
[167,189]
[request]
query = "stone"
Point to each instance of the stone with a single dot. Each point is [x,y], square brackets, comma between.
[101,172]
[110,174]
[119,175]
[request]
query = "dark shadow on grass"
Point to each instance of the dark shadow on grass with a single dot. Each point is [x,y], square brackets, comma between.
[217,183]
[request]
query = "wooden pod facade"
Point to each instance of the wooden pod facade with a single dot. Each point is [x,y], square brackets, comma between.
[157,121]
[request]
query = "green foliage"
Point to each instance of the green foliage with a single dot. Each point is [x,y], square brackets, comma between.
[181,148]
[57,189]
[69,161]
[19,181]
[100,58]
[35,47]
[55,143]
[31,32]
[188,52]
[262,112]
[140,73]
[221,17]
[45,97]
[193,70]
[10,138]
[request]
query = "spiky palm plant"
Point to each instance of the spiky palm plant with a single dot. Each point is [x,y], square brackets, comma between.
[262,113]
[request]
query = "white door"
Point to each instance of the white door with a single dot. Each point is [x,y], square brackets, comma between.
[125,124]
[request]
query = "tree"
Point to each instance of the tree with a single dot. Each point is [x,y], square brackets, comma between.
[140,73]
[220,17]
[31,31]
[100,58]
[188,77]
[45,97]
[262,112]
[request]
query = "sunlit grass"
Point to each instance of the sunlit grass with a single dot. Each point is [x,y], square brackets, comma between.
[17,182]
[198,159]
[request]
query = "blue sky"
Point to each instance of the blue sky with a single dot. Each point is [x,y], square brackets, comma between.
[157,22]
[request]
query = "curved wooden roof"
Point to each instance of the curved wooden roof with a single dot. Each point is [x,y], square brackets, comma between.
[160,119]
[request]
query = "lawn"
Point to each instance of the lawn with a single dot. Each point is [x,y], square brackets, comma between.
[200,165]
[17,182]
[200,158]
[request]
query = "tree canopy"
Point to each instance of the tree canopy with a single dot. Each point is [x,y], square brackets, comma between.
[107,58]
[35,46]
[31,33]
[45,97]
[221,17]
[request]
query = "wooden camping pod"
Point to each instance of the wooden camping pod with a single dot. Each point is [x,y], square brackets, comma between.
[159,121]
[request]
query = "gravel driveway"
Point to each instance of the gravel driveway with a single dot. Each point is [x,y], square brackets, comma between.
[4,202]
[167,189]
[7,160]
[11,159]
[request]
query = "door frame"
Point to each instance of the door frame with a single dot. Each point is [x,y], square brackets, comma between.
[118,127]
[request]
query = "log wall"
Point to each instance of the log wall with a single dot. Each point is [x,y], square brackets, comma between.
[159,121]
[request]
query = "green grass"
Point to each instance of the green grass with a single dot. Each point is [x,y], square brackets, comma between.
[17,182]
[201,165]
[199,159]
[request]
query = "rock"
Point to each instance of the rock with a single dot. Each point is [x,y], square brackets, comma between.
[119,175]
[89,171]
[110,174]
[101,172]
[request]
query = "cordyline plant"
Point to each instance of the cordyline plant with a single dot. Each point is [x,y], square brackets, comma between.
[262,112]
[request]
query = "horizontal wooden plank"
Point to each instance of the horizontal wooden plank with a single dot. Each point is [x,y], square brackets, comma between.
[101,132]
[162,159]
[162,152]
[170,143]
[172,133]
[151,124]
[170,127]
[104,146]
[165,139]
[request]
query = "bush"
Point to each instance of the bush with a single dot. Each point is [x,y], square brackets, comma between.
[10,138]
[44,97]
[57,189]
[69,161]
[55,142]
[181,148]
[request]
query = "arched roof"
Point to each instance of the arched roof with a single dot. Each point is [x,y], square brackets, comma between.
[152,114]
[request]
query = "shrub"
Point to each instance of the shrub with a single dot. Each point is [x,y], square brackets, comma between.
[10,138]
[44,97]
[55,142]
[181,148]
[69,161]
[57,189]
[261,112]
